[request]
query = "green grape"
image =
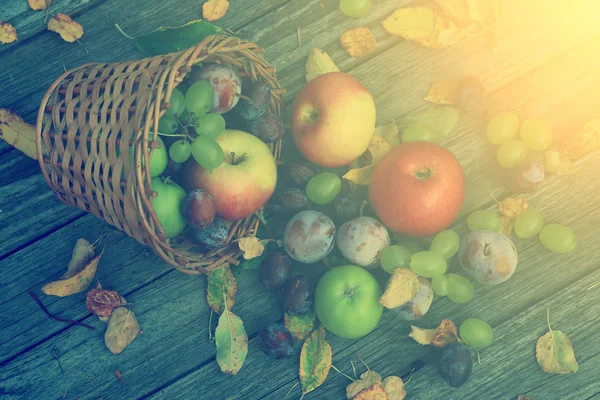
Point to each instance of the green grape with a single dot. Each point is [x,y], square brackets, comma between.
[393,257]
[558,238]
[167,124]
[460,289]
[428,264]
[418,133]
[512,153]
[502,128]
[207,152]
[199,98]
[355,8]
[528,224]
[210,125]
[411,244]
[484,220]
[440,285]
[177,102]
[446,243]
[536,134]
[323,188]
[476,332]
[180,151]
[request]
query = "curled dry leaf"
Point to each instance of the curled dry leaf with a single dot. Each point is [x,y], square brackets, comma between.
[557,164]
[315,361]
[102,302]
[39,4]
[439,337]
[16,132]
[367,379]
[232,342]
[389,133]
[357,42]
[442,92]
[68,29]
[512,207]
[583,142]
[555,354]
[221,287]
[122,328]
[300,325]
[8,33]
[378,148]
[213,10]
[506,225]
[375,392]
[251,246]
[319,63]
[419,24]
[394,388]
[403,286]
[360,176]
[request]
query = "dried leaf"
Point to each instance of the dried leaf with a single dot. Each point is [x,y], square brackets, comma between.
[360,176]
[300,325]
[251,246]
[512,206]
[403,286]
[455,9]
[523,397]
[102,302]
[419,24]
[506,225]
[583,142]
[378,148]
[83,252]
[39,4]
[389,133]
[367,379]
[122,329]
[221,286]
[358,41]
[319,63]
[375,392]
[74,284]
[232,342]
[555,353]
[442,92]
[18,133]
[444,334]
[68,29]
[8,33]
[394,388]
[440,120]
[555,163]
[213,10]
[315,361]
[485,12]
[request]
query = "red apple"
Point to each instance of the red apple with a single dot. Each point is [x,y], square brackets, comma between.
[417,189]
[333,119]
[243,183]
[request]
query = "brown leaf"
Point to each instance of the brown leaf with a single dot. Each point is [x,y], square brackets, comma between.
[512,206]
[83,252]
[375,392]
[122,329]
[360,176]
[102,302]
[442,92]
[403,286]
[367,379]
[389,133]
[39,4]
[251,246]
[455,9]
[394,388]
[118,375]
[506,225]
[8,33]
[357,42]
[555,354]
[68,29]
[319,63]
[213,10]
[444,334]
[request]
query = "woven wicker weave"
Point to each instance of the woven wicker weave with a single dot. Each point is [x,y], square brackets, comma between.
[92,115]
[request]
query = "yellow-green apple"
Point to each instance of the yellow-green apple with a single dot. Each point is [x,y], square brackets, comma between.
[333,119]
[243,183]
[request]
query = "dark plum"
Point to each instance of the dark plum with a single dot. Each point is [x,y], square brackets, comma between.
[275,270]
[199,209]
[348,207]
[268,127]
[259,93]
[298,173]
[173,169]
[456,364]
[291,200]
[276,341]
[298,295]
[470,95]
[215,235]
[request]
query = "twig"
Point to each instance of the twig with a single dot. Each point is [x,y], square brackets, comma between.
[292,388]
[123,33]
[353,368]
[211,338]
[84,48]
[47,11]
[299,44]
[68,321]
[56,355]
[341,373]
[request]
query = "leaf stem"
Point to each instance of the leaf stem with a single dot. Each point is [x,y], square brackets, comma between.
[552,335]
[292,388]
[123,33]
[341,373]
[211,338]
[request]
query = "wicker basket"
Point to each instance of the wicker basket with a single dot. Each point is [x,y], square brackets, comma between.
[92,115]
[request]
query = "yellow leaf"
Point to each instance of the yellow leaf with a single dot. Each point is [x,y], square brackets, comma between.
[455,9]
[367,379]
[8,33]
[75,284]
[319,63]
[506,225]
[417,23]
[358,41]
[554,163]
[18,133]
[360,176]
[375,392]
[378,148]
[403,286]
[485,12]
[438,337]
[583,142]
[68,29]
[39,4]
[213,10]
[389,133]
[442,92]
[122,328]
[394,388]
[512,206]
[251,246]
[555,354]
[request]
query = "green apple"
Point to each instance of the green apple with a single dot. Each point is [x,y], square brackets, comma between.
[158,160]
[243,183]
[168,206]
[346,301]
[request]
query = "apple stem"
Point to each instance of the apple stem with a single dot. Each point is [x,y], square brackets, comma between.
[423,174]
[362,208]
[486,248]
[232,158]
